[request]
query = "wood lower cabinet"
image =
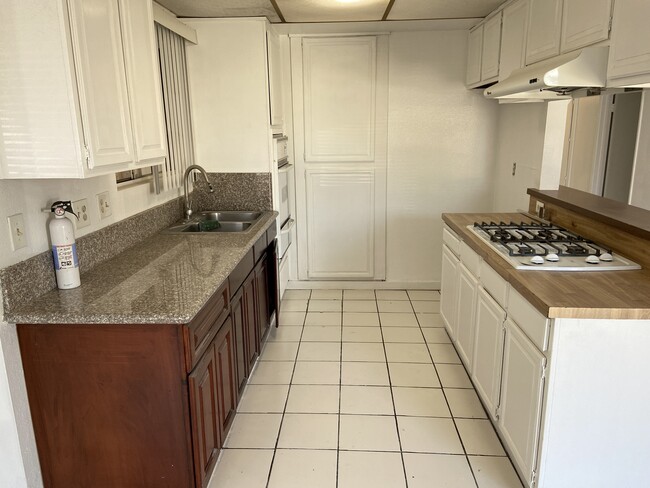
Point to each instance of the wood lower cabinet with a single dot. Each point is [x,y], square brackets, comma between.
[143,405]
[263,297]
[204,416]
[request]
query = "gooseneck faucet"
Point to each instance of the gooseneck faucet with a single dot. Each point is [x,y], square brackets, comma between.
[186,180]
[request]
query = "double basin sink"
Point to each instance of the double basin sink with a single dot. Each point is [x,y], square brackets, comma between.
[215,222]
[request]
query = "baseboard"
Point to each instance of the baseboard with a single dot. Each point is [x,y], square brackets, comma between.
[363,285]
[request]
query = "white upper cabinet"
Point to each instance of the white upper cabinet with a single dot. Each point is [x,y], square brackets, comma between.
[544,30]
[491,47]
[275,81]
[513,38]
[474,52]
[141,52]
[88,102]
[585,22]
[629,52]
[101,78]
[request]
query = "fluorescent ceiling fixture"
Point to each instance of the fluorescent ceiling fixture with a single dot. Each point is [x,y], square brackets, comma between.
[347,1]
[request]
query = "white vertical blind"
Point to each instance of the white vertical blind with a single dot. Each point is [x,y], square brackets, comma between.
[176,98]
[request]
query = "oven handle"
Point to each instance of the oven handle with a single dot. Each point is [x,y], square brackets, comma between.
[285,168]
[288,225]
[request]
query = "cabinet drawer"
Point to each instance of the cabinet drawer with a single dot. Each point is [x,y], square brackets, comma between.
[529,320]
[240,273]
[259,247]
[450,238]
[205,326]
[470,259]
[496,286]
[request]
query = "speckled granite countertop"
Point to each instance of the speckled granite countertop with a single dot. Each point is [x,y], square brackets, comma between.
[165,279]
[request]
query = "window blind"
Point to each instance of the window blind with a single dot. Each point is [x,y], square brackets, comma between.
[176,99]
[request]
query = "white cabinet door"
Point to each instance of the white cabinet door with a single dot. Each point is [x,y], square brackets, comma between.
[341,224]
[491,47]
[275,79]
[629,52]
[467,292]
[521,398]
[584,22]
[474,51]
[101,76]
[544,30]
[488,350]
[513,38]
[143,76]
[449,291]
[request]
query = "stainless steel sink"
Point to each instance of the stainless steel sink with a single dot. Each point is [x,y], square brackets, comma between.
[215,222]
[227,216]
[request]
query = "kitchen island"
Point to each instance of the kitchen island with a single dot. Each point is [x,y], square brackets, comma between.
[558,358]
[133,379]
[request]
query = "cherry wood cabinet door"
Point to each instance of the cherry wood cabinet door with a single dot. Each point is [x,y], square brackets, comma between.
[238,312]
[224,350]
[252,334]
[204,417]
[262,297]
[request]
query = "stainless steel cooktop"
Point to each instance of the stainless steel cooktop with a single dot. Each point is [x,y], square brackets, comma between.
[547,247]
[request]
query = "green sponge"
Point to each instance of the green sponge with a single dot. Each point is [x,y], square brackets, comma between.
[209,225]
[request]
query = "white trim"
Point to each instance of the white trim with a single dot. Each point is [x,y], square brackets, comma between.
[167,19]
[363,285]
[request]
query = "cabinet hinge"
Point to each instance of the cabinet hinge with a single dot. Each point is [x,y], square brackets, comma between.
[544,368]
[533,478]
[87,157]
[497,412]
[611,20]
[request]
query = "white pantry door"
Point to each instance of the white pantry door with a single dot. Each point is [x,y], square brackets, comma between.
[340,130]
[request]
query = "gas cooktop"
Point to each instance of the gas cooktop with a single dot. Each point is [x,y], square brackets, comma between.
[548,247]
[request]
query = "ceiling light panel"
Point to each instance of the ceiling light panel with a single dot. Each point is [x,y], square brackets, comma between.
[441,9]
[221,8]
[332,10]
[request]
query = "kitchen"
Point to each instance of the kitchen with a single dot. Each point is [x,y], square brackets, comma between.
[435,147]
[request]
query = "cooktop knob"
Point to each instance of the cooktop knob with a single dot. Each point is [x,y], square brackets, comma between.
[606,257]
[537,260]
[553,258]
[592,259]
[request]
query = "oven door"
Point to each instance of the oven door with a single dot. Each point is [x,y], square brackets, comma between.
[284,238]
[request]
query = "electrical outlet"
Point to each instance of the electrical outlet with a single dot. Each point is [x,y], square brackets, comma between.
[539,209]
[104,203]
[17,232]
[80,207]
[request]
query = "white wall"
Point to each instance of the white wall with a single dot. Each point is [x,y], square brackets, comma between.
[640,193]
[18,459]
[229,96]
[520,139]
[441,149]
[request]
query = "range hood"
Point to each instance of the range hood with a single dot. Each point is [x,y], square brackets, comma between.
[555,78]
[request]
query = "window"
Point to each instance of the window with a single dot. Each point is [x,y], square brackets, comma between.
[178,121]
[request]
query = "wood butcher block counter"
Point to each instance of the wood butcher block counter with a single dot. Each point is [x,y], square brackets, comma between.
[587,295]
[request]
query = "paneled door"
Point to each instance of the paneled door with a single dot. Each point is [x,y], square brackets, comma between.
[340,127]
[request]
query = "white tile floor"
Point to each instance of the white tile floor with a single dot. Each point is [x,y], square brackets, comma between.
[361,388]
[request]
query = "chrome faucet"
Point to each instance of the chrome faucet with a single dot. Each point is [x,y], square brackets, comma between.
[186,179]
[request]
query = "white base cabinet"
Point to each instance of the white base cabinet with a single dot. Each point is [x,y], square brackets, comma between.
[449,291]
[522,393]
[467,292]
[488,350]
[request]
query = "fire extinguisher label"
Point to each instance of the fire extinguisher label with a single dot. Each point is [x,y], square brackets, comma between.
[65,257]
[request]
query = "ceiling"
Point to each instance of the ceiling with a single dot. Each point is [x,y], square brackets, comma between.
[278,11]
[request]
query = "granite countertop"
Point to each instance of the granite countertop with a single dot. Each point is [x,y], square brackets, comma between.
[165,279]
[592,295]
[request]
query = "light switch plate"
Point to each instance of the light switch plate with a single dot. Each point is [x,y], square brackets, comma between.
[17,231]
[104,203]
[80,207]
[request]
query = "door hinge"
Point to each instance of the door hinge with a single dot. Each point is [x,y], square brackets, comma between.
[87,156]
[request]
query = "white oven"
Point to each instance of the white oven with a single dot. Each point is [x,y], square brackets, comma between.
[285,173]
